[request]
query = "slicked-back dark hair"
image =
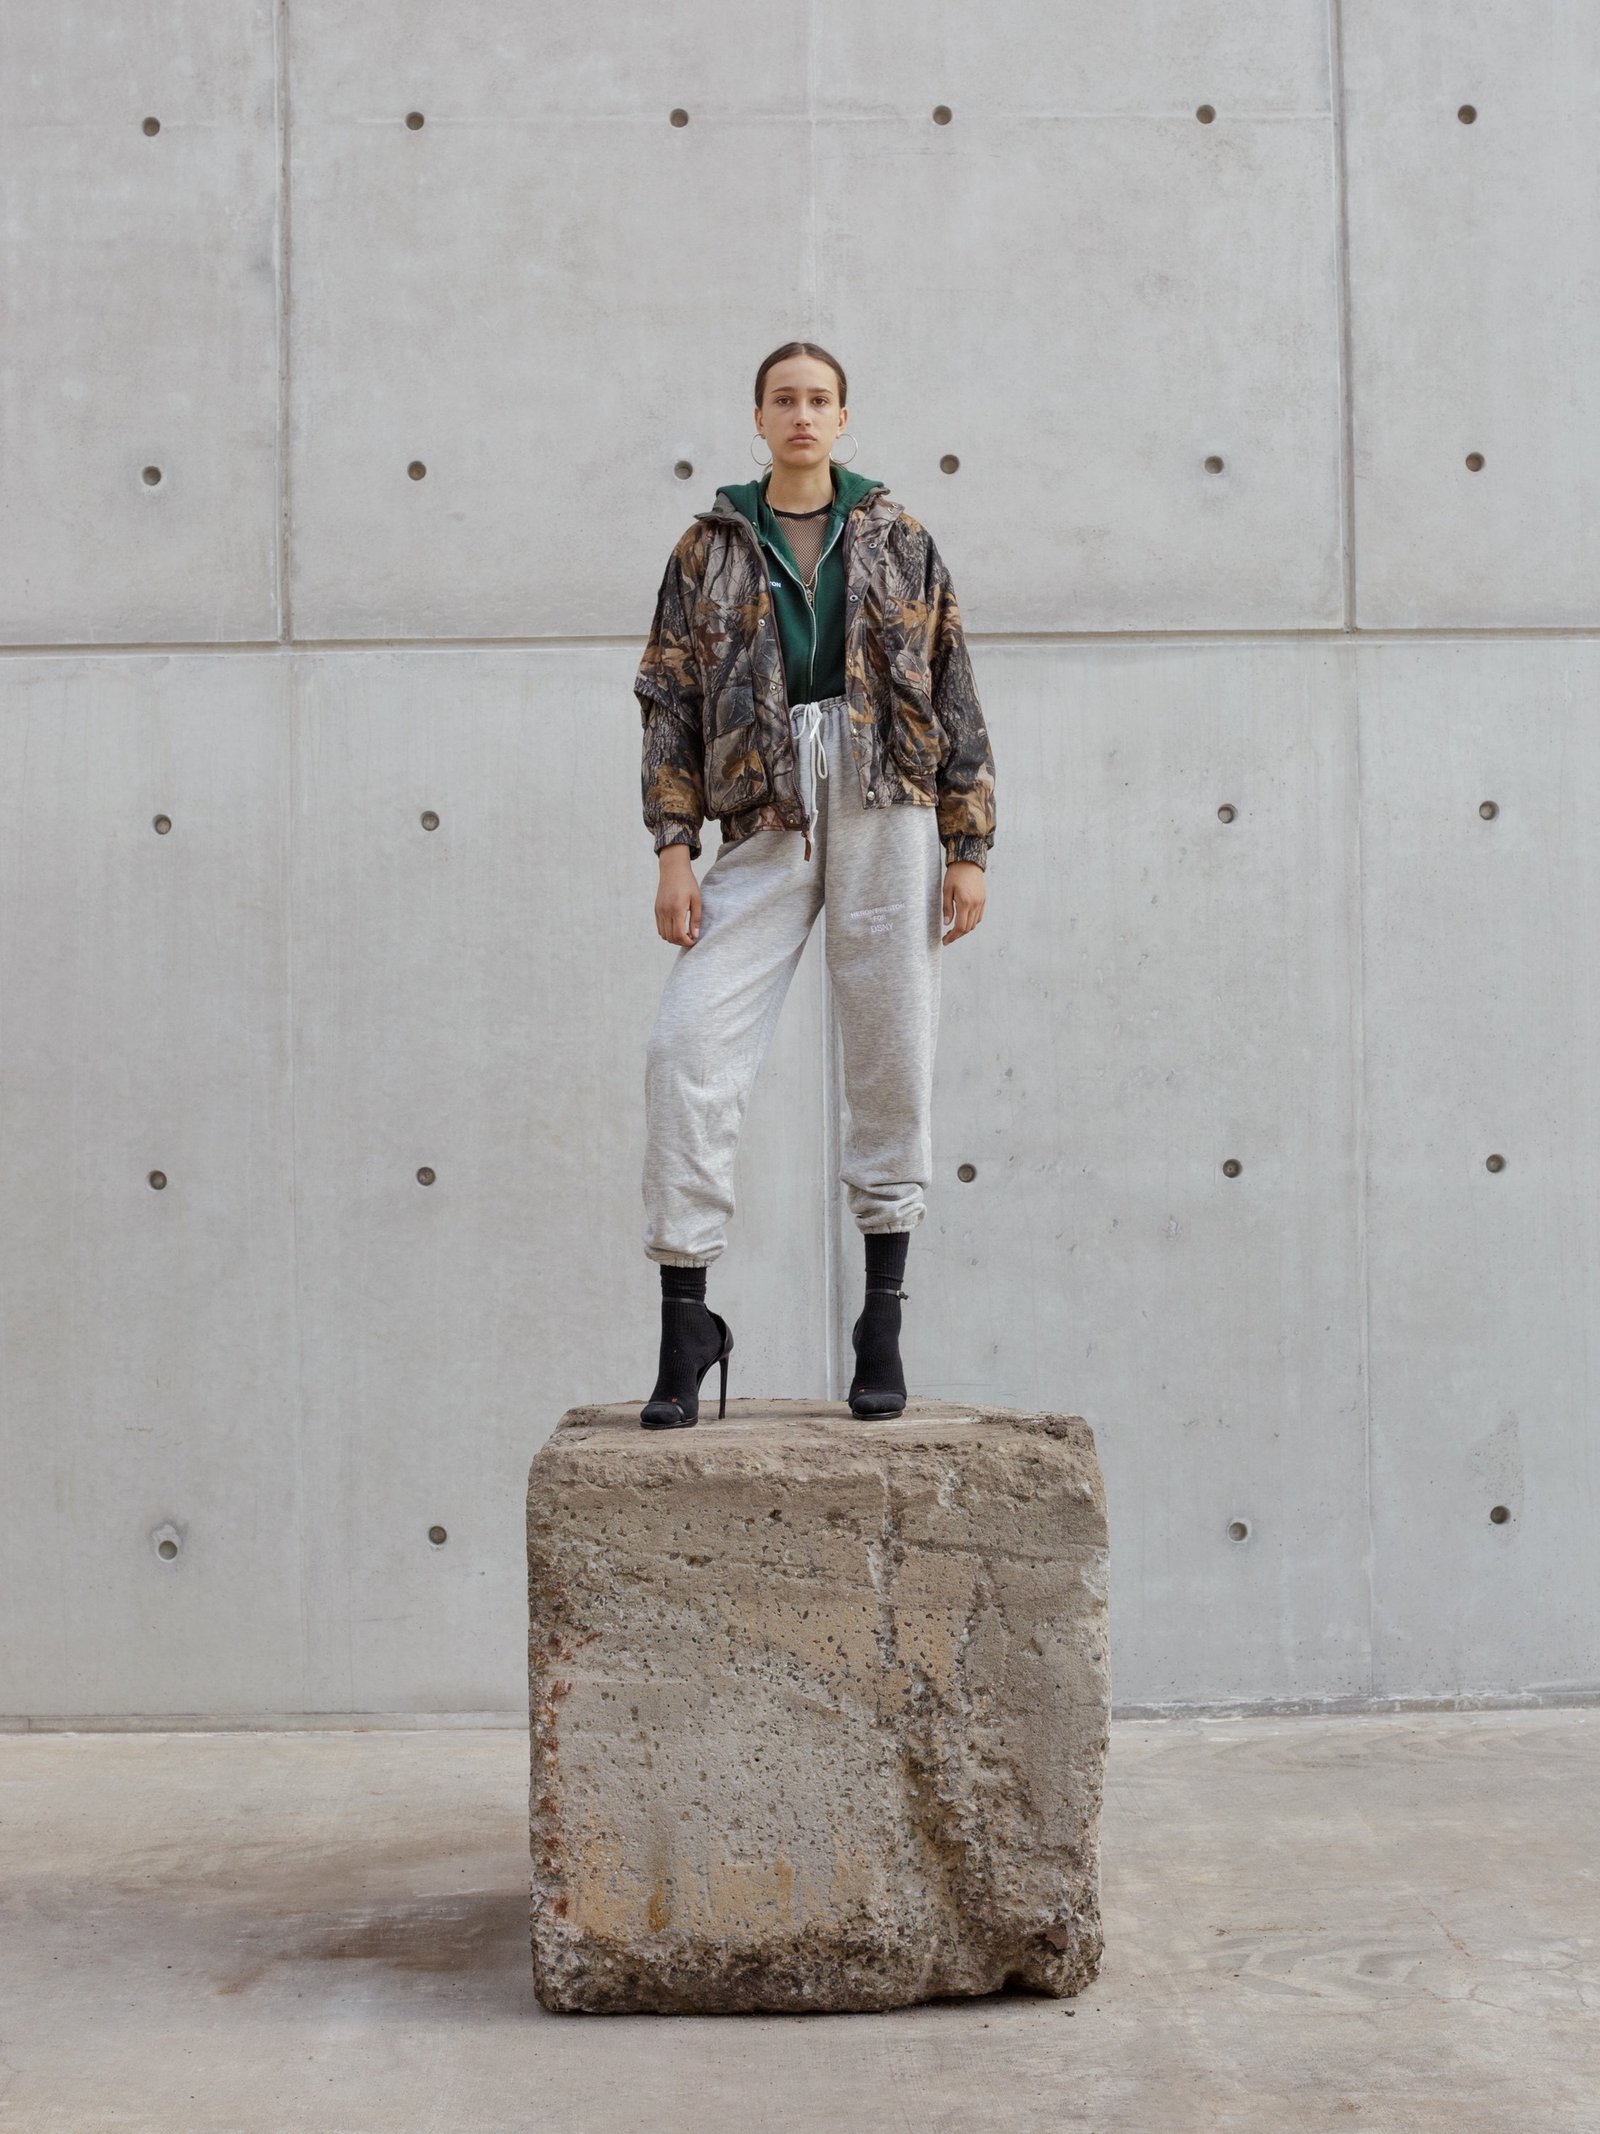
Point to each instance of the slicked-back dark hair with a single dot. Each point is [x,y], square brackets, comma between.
[802,348]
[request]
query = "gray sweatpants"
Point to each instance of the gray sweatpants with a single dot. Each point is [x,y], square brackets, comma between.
[878,874]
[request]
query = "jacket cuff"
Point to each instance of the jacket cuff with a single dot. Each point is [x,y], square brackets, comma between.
[675,830]
[967,847]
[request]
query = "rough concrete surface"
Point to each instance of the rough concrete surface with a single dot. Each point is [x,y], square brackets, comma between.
[1380,1924]
[819,1708]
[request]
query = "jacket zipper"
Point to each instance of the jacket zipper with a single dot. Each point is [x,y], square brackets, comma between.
[811,610]
[761,559]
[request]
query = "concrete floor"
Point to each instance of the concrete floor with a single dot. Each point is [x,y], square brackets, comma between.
[1376,1922]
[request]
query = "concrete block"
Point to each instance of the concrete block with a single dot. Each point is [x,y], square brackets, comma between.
[818,1708]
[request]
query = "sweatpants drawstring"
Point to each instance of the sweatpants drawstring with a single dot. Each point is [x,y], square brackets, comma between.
[807,722]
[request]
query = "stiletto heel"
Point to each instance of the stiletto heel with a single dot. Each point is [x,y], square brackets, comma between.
[669,1410]
[879,1386]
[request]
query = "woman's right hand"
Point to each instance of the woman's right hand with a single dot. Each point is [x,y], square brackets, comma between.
[678,898]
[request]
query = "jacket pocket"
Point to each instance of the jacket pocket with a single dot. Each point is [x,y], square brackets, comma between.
[734,704]
[916,739]
[736,773]
[727,634]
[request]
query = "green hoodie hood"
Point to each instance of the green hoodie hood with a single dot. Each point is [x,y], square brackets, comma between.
[849,490]
[811,631]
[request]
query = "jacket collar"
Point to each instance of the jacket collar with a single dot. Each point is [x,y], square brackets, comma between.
[869,510]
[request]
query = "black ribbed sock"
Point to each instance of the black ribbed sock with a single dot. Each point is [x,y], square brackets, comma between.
[886,1258]
[880,1379]
[683,1281]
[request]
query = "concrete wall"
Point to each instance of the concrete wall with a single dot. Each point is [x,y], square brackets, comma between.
[237,1405]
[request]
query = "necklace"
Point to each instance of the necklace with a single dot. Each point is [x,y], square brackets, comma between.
[817,514]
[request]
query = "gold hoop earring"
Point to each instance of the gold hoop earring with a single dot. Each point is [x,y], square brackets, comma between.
[767,462]
[851,460]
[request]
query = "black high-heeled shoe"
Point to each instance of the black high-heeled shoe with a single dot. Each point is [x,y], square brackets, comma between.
[879,1386]
[688,1326]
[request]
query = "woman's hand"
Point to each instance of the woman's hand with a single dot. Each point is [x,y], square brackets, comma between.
[678,898]
[964,892]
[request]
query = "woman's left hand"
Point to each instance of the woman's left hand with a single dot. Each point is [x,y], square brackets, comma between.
[964,891]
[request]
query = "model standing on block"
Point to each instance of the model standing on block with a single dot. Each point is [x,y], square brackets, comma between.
[806,682]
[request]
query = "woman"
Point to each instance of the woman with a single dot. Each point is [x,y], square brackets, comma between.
[806,682]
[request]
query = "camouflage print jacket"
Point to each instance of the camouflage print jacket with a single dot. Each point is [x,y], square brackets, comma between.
[714,705]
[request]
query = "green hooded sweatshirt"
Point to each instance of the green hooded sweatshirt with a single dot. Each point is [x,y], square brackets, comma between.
[813,642]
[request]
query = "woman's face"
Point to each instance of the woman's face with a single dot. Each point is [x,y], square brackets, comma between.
[800,415]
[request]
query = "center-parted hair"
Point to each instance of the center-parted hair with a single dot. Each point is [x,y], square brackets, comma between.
[801,348]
